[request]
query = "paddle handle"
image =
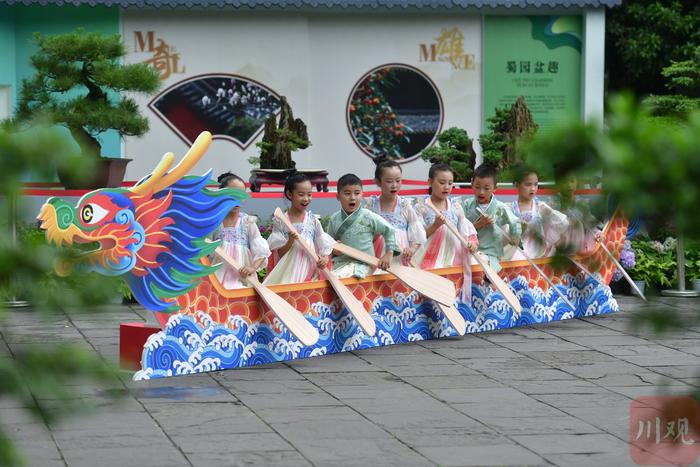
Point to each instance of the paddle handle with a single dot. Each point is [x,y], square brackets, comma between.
[493,276]
[622,270]
[584,270]
[533,264]
[449,225]
[252,279]
[354,306]
[292,318]
[356,254]
[287,223]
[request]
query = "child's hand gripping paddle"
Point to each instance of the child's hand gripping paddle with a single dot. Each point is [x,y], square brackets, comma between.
[292,318]
[425,283]
[534,265]
[354,306]
[495,279]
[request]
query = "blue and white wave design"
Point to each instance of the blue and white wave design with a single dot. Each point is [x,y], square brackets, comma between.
[185,347]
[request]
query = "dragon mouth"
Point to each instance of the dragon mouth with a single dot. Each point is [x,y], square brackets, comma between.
[72,235]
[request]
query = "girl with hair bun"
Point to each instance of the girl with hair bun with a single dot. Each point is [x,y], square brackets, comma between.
[396,210]
[443,249]
[542,225]
[240,238]
[290,263]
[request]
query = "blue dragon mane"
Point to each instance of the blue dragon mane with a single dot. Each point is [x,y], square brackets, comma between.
[196,211]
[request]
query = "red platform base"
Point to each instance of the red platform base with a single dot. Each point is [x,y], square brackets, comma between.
[132,337]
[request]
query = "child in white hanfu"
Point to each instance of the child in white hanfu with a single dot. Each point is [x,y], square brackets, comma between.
[443,249]
[240,238]
[584,228]
[396,210]
[292,263]
[542,226]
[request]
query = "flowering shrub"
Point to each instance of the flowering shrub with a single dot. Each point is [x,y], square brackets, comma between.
[692,260]
[627,260]
[265,228]
[654,262]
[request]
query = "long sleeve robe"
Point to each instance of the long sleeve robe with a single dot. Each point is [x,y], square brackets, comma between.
[491,238]
[358,230]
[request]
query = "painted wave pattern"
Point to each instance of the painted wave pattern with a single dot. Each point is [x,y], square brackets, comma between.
[196,344]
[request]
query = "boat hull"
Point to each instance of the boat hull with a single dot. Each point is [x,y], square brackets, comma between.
[219,329]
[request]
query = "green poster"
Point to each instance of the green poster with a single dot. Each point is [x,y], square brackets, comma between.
[538,57]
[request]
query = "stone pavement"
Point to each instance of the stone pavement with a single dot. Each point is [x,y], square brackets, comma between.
[556,394]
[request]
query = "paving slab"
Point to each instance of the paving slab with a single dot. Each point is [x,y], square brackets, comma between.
[556,394]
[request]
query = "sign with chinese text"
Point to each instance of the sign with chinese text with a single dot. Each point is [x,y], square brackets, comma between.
[164,57]
[448,47]
[664,430]
[538,57]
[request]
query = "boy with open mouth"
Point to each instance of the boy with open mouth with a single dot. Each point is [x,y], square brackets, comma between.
[356,226]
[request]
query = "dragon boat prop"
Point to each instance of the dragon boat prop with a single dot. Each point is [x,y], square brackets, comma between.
[154,234]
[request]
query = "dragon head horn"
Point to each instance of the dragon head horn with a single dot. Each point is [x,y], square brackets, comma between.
[161,178]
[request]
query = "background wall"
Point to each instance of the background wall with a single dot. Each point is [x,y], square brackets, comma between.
[314,60]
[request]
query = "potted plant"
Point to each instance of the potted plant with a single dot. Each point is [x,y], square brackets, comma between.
[692,264]
[455,149]
[278,142]
[509,128]
[655,263]
[78,84]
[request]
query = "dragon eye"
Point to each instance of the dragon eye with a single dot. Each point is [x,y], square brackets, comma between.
[92,213]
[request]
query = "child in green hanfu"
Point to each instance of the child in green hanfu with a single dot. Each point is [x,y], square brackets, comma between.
[356,226]
[488,214]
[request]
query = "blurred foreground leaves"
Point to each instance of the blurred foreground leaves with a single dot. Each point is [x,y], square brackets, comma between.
[43,378]
[647,166]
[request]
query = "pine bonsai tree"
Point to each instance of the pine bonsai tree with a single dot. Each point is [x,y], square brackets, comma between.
[509,128]
[78,83]
[454,148]
[280,140]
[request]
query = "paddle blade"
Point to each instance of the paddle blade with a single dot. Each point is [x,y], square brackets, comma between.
[354,306]
[499,284]
[454,317]
[292,318]
[425,283]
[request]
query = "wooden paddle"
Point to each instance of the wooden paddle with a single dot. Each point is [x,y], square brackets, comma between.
[535,266]
[495,279]
[431,285]
[292,318]
[453,316]
[354,306]
[586,271]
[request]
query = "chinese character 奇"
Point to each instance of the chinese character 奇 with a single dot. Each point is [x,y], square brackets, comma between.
[164,60]
[511,67]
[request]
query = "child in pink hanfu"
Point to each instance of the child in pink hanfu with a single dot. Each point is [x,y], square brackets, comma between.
[542,225]
[292,263]
[443,249]
[240,238]
[397,211]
